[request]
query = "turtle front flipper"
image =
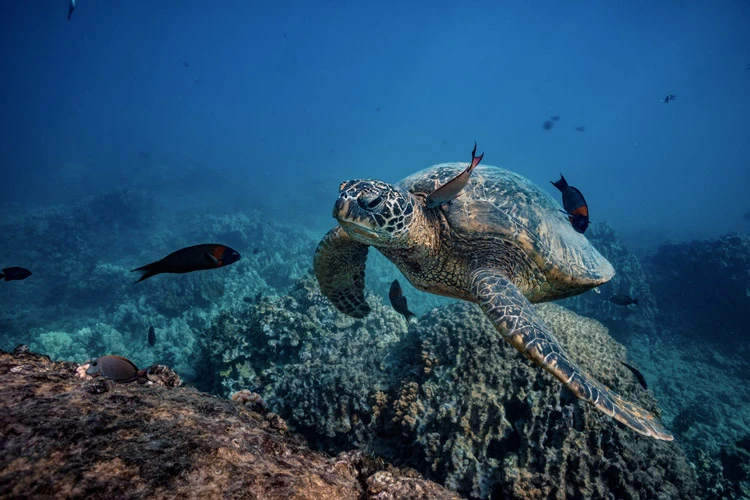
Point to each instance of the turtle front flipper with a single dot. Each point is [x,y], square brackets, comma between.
[339,264]
[515,319]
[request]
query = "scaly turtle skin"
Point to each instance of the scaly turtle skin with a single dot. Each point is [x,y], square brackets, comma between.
[502,243]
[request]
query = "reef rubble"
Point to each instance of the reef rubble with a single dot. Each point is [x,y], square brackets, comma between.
[64,437]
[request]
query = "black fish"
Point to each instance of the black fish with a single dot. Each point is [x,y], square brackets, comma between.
[151,336]
[15,273]
[71,7]
[747,216]
[195,258]
[638,375]
[398,301]
[581,128]
[186,64]
[548,125]
[623,300]
[669,98]
[554,118]
[575,205]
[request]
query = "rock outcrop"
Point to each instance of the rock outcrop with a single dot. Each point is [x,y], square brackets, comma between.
[63,437]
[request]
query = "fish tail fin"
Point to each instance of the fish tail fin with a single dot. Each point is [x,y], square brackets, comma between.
[2,275]
[561,184]
[474,159]
[148,270]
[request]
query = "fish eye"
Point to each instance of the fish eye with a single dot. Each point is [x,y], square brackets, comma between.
[94,363]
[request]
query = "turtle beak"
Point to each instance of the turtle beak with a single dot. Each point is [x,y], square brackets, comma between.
[341,207]
[347,212]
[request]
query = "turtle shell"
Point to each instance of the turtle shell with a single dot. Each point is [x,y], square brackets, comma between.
[497,203]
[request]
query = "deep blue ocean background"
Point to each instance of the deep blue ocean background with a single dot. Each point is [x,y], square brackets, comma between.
[140,127]
[275,104]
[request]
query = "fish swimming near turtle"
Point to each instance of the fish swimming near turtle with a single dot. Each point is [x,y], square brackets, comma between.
[14,274]
[194,258]
[638,375]
[623,300]
[446,192]
[116,368]
[499,245]
[575,205]
[398,301]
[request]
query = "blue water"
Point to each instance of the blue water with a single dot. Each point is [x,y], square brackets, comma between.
[140,127]
[288,99]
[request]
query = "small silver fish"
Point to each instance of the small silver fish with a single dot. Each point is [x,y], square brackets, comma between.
[453,187]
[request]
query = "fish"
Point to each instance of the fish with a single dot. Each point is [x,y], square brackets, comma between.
[453,187]
[15,274]
[116,368]
[623,300]
[574,204]
[548,125]
[747,216]
[71,7]
[638,375]
[398,301]
[669,98]
[581,128]
[195,258]
[554,118]
[151,336]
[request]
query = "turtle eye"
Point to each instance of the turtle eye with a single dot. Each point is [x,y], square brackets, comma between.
[369,204]
[374,203]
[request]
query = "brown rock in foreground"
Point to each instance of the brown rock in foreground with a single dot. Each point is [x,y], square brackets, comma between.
[63,437]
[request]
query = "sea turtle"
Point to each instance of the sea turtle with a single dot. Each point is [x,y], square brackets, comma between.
[502,243]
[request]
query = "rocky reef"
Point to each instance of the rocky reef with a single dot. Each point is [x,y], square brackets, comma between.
[448,397]
[64,437]
[705,286]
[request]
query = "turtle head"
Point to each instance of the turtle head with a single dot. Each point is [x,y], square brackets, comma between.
[375,213]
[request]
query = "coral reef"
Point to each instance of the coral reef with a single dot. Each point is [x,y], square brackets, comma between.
[315,365]
[704,286]
[97,438]
[488,424]
[379,383]
[448,396]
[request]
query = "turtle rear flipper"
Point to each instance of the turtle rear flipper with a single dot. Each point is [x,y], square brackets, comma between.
[339,265]
[515,319]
